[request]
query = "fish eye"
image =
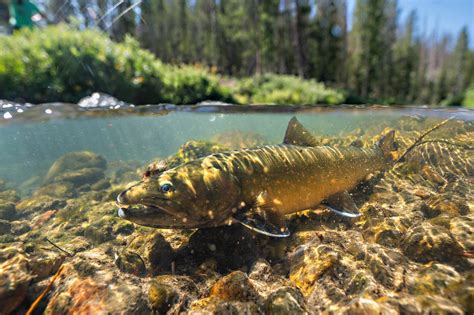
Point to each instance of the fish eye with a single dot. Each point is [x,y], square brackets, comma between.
[167,187]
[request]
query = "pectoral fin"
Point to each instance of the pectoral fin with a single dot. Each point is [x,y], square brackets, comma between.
[263,220]
[342,204]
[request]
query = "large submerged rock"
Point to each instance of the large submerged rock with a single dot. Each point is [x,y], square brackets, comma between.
[77,169]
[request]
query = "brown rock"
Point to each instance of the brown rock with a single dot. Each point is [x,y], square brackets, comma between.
[462,229]
[159,254]
[14,281]
[428,242]
[286,300]
[234,287]
[82,289]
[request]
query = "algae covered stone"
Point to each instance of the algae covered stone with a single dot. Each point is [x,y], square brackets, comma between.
[130,262]
[7,211]
[234,287]
[37,204]
[161,296]
[285,300]
[75,161]
[155,250]
[429,242]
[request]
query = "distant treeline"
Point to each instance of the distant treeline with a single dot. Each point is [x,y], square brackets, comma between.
[381,58]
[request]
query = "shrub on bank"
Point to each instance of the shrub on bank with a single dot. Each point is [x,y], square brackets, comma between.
[468,100]
[285,89]
[59,63]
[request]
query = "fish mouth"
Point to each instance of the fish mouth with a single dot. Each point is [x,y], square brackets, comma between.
[129,211]
[147,215]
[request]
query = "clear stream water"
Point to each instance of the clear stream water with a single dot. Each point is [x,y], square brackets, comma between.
[411,251]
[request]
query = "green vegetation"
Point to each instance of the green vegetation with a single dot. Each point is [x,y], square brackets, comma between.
[469,97]
[61,64]
[285,89]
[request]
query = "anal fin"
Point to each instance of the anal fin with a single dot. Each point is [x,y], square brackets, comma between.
[342,204]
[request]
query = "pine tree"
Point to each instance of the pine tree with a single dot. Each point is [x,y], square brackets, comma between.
[406,62]
[371,47]
[123,22]
[270,37]
[459,76]
[330,46]
[205,24]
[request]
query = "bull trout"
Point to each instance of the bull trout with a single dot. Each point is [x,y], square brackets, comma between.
[255,187]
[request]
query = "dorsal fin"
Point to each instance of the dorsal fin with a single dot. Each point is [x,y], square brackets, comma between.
[296,134]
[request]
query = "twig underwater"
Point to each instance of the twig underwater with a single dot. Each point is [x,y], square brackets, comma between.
[62,250]
[53,279]
[45,291]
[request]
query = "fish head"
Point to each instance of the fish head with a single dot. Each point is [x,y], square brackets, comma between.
[193,195]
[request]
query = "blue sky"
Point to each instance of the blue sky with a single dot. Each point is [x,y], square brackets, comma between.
[443,16]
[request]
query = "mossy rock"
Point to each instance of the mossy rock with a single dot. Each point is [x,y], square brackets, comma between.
[7,211]
[285,300]
[102,184]
[5,227]
[236,286]
[81,177]
[62,190]
[155,250]
[462,229]
[435,278]
[124,228]
[37,204]
[75,161]
[9,196]
[162,296]
[130,262]
[99,232]
[427,242]
[14,281]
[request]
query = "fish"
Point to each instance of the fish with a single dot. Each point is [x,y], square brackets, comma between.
[257,187]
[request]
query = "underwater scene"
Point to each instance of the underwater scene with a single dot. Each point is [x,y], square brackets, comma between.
[214,209]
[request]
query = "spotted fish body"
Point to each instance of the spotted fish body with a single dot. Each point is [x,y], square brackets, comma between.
[255,187]
[295,178]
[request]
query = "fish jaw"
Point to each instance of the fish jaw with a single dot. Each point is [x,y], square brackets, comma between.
[152,217]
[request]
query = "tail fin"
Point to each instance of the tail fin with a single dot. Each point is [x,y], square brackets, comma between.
[417,142]
[387,144]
